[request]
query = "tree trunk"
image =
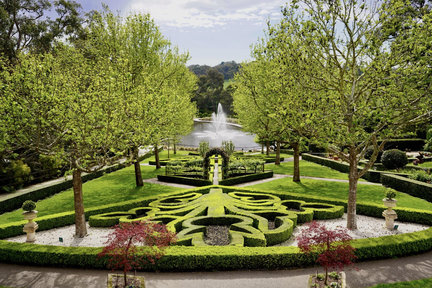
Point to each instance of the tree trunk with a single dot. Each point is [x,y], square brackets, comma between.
[296,147]
[168,145]
[80,223]
[268,148]
[175,148]
[352,196]
[138,175]
[156,152]
[277,162]
[262,148]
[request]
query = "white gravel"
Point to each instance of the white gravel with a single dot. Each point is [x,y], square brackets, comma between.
[368,227]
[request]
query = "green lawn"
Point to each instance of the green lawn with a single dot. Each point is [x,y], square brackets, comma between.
[111,188]
[409,284]
[339,190]
[307,169]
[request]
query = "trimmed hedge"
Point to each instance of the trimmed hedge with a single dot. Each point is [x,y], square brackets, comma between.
[412,187]
[246,178]
[415,144]
[371,175]
[41,193]
[184,180]
[179,258]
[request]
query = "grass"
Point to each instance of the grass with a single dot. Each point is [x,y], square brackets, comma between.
[339,190]
[111,188]
[408,284]
[309,169]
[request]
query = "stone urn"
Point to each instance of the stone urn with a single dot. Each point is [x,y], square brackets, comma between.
[30,227]
[389,214]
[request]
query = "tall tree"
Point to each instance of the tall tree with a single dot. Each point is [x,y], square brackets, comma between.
[355,74]
[24,25]
[65,105]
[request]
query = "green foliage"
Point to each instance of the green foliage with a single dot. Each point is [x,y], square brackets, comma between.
[369,153]
[394,159]
[422,176]
[203,148]
[412,187]
[14,175]
[211,258]
[246,178]
[390,194]
[28,205]
[110,188]
[406,284]
[229,147]
[27,27]
[428,145]
[184,180]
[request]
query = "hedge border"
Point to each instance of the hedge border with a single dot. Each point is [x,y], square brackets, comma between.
[396,181]
[410,186]
[246,178]
[44,192]
[223,258]
[371,175]
[184,180]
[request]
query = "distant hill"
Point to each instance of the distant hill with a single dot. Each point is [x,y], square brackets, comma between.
[228,69]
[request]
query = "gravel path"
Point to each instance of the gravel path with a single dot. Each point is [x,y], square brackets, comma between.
[367,227]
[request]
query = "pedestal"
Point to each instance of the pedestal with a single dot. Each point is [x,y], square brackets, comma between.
[389,215]
[30,227]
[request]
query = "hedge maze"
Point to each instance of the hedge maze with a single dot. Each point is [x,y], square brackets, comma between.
[253,219]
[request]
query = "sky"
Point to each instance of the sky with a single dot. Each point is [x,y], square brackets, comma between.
[212,31]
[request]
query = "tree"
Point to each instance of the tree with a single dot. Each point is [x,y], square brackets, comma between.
[64,105]
[361,85]
[24,25]
[255,101]
[156,85]
[332,247]
[122,244]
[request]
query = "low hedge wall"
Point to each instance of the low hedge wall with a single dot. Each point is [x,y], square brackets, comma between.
[184,180]
[246,178]
[412,187]
[44,192]
[371,175]
[180,258]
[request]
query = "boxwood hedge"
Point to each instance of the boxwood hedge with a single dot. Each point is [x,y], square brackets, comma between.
[180,258]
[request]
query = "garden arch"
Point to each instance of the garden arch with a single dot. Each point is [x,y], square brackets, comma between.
[225,161]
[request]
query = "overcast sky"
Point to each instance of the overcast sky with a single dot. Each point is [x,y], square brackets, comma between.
[211,30]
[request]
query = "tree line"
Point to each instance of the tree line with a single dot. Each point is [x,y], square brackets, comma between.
[346,75]
[117,86]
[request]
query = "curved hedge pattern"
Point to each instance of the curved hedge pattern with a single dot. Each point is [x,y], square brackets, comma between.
[182,258]
[247,214]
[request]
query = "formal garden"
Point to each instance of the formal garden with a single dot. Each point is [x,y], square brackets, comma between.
[325,159]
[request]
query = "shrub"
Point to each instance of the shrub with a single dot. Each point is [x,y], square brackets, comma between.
[29,205]
[412,187]
[229,147]
[394,159]
[428,145]
[369,153]
[203,148]
[390,194]
[121,245]
[14,175]
[422,176]
[333,247]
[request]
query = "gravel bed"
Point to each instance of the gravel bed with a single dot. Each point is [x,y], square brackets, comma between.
[368,227]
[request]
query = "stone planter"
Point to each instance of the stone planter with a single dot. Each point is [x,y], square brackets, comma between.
[30,227]
[341,282]
[389,214]
[117,280]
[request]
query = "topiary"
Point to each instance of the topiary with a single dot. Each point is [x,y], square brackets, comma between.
[394,159]
[29,205]
[369,152]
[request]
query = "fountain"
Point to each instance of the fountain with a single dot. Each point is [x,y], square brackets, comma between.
[218,130]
